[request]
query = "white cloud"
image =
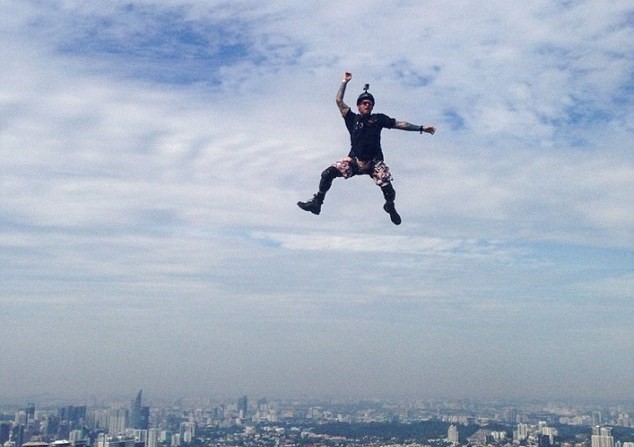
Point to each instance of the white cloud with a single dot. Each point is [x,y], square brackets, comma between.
[618,287]
[151,156]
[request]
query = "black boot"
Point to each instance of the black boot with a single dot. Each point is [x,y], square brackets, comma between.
[391,210]
[313,205]
[390,195]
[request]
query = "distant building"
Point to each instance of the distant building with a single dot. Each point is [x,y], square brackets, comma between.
[17,434]
[165,437]
[139,415]
[550,432]
[623,420]
[187,432]
[5,432]
[520,433]
[77,435]
[30,412]
[73,416]
[602,437]
[117,441]
[152,437]
[243,406]
[452,434]
[544,441]
[117,420]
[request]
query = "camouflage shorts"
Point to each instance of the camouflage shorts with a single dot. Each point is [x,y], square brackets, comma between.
[378,170]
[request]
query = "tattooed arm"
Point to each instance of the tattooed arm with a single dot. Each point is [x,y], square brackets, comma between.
[343,107]
[404,125]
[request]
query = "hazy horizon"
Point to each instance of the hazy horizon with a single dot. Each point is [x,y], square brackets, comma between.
[50,400]
[152,154]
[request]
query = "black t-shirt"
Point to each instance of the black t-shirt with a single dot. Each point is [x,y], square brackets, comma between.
[365,134]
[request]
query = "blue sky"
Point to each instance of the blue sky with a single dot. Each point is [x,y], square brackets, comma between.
[152,153]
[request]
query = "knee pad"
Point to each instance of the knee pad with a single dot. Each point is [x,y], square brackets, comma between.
[327,177]
[330,173]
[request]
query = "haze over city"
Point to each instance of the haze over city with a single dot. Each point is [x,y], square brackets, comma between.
[152,154]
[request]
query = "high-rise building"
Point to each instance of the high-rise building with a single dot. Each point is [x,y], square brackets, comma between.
[544,441]
[136,411]
[117,420]
[74,416]
[5,432]
[152,437]
[138,435]
[243,406]
[98,419]
[452,434]
[17,434]
[623,420]
[187,432]
[602,437]
[550,432]
[77,435]
[521,433]
[30,413]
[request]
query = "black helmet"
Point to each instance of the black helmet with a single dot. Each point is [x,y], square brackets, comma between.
[365,95]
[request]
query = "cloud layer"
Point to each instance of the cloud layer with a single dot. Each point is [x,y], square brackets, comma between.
[152,154]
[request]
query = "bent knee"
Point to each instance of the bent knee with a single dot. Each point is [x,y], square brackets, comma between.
[330,173]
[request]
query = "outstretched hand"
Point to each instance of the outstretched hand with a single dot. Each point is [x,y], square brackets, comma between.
[429,129]
[347,76]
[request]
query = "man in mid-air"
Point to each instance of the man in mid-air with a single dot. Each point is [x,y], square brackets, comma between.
[366,155]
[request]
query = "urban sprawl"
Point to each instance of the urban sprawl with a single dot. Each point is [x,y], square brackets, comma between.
[243,422]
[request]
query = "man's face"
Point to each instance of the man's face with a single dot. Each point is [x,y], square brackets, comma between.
[365,107]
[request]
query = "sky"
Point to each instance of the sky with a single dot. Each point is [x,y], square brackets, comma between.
[152,154]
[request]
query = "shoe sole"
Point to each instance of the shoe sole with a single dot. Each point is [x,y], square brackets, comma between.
[394,216]
[307,208]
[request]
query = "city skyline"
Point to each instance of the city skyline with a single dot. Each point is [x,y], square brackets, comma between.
[597,412]
[244,419]
[152,154]
[601,416]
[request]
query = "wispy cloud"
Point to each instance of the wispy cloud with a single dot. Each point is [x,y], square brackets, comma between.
[152,154]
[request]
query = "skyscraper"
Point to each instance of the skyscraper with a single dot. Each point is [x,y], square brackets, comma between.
[152,437]
[521,433]
[242,407]
[602,437]
[135,410]
[452,434]
[30,413]
[117,420]
[139,415]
